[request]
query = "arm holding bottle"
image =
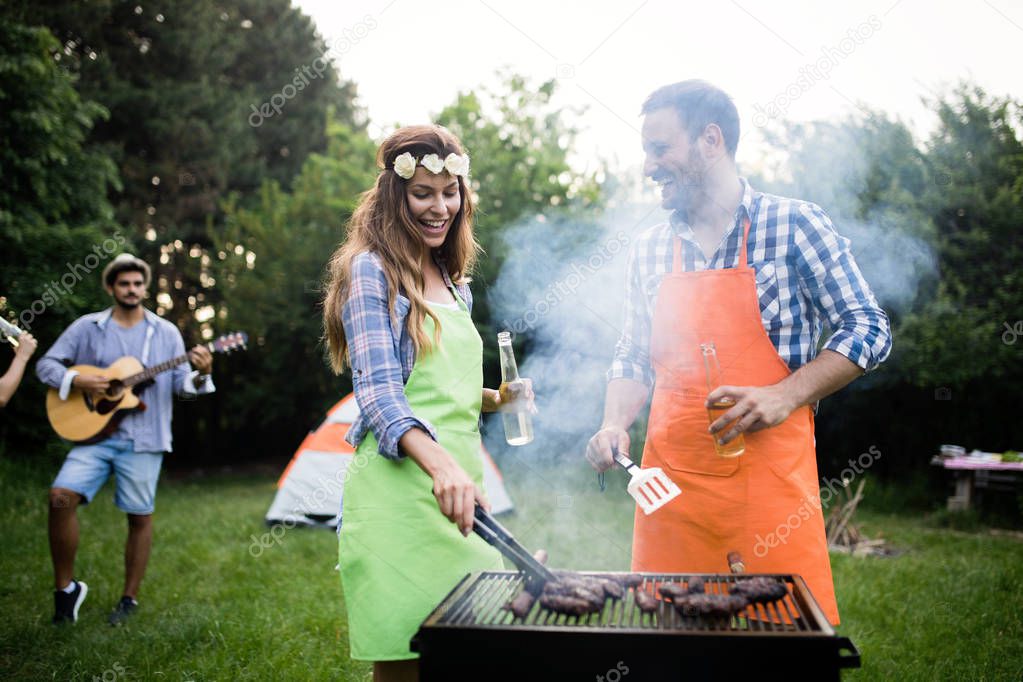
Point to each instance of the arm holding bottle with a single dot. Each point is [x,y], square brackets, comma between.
[12,377]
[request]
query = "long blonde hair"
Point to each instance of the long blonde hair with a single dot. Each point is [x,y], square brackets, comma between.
[383,224]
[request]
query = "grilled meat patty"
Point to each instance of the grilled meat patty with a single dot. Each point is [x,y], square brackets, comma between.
[572,606]
[521,604]
[760,590]
[712,605]
[646,602]
[672,591]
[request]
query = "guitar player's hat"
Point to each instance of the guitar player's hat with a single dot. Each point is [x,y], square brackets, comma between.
[125,262]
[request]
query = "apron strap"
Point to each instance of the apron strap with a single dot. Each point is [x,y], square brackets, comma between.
[676,263]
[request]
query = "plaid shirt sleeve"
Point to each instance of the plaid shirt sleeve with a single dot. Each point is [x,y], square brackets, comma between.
[861,330]
[376,367]
[632,354]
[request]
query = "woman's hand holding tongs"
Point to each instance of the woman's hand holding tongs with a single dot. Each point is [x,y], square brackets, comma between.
[454,490]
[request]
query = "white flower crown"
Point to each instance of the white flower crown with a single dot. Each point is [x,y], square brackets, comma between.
[456,164]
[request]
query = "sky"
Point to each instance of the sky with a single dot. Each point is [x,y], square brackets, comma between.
[793,61]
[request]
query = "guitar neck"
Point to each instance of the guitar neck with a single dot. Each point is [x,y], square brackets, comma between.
[151,372]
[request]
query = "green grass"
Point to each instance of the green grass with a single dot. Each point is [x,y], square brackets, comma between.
[947,608]
[210,609]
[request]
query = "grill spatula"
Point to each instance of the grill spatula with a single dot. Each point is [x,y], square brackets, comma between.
[651,488]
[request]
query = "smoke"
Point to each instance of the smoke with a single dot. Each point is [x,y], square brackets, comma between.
[562,288]
[894,262]
[865,174]
[561,293]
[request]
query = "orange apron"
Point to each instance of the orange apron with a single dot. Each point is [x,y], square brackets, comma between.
[765,503]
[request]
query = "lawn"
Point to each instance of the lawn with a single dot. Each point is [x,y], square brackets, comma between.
[217,606]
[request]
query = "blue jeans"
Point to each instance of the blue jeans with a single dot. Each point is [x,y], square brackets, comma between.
[88,467]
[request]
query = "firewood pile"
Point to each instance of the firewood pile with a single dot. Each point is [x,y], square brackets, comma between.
[845,536]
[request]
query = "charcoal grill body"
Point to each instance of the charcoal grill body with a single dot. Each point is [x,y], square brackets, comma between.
[469,636]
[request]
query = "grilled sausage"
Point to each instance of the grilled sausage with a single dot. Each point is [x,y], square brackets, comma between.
[521,604]
[646,602]
[612,588]
[712,605]
[575,590]
[572,606]
[760,590]
[631,579]
[672,591]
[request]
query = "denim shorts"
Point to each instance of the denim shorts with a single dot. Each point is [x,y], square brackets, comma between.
[88,467]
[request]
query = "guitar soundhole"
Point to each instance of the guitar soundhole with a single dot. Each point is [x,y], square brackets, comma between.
[115,390]
[112,399]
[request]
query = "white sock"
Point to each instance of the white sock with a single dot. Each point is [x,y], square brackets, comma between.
[70,587]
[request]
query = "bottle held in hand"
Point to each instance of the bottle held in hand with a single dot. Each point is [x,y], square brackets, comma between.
[737,445]
[518,423]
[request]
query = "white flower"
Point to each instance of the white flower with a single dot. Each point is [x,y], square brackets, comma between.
[405,165]
[432,163]
[457,164]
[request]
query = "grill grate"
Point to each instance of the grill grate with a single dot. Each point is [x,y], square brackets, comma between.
[480,603]
[471,635]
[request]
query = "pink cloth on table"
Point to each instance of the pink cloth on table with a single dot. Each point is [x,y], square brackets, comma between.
[974,463]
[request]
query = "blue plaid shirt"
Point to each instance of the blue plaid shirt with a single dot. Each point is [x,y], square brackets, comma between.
[805,275]
[90,340]
[381,355]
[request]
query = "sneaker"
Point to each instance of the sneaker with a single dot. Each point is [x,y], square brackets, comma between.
[124,609]
[66,604]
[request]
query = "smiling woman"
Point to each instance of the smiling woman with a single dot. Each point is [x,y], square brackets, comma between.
[396,312]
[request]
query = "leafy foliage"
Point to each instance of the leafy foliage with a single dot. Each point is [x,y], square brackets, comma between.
[54,214]
[520,145]
[935,228]
[269,262]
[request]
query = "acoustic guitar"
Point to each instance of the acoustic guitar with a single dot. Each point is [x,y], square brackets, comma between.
[83,419]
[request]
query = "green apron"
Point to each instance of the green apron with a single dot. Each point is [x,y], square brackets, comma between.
[399,556]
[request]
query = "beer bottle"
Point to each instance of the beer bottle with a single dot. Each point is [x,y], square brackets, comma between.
[518,424]
[737,445]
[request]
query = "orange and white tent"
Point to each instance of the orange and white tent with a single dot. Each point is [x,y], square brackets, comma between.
[309,491]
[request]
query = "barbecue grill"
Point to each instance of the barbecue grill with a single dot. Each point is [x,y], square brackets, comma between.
[471,636]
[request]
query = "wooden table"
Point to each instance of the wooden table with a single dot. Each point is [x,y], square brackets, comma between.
[973,472]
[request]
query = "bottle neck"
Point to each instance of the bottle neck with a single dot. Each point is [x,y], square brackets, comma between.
[713,370]
[509,370]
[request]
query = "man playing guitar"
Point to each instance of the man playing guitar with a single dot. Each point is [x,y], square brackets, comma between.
[134,450]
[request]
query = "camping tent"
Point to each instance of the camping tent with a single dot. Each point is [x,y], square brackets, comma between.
[309,490]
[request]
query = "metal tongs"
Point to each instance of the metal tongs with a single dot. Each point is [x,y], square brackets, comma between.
[487,527]
[651,488]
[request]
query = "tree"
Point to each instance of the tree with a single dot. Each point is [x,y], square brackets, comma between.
[935,228]
[57,224]
[204,99]
[268,261]
[520,144]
